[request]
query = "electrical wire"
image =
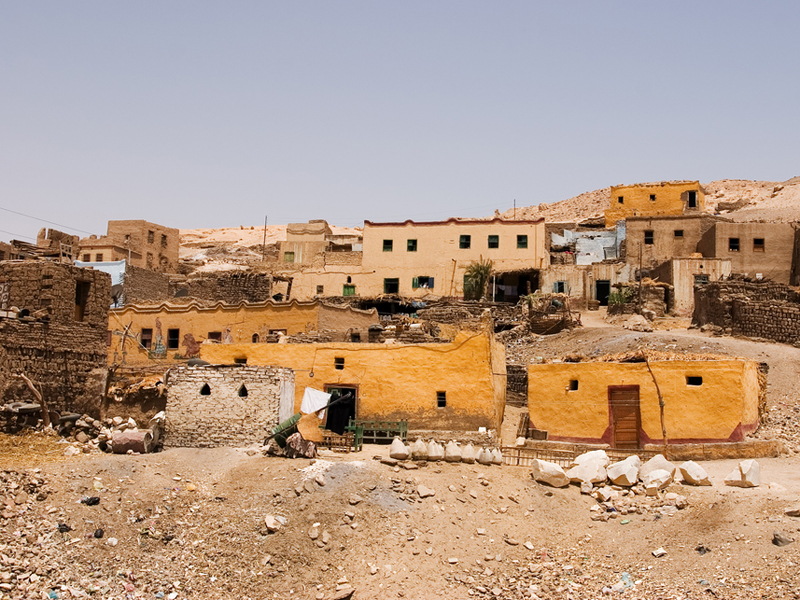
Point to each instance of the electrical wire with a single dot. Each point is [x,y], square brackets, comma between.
[17,235]
[44,220]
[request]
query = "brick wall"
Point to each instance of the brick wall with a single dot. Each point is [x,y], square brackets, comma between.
[65,357]
[766,309]
[517,385]
[144,285]
[343,258]
[223,417]
[232,288]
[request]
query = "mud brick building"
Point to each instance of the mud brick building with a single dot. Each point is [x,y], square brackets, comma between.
[143,244]
[760,250]
[232,405]
[53,328]
[655,199]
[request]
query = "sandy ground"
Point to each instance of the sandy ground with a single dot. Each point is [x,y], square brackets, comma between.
[191,522]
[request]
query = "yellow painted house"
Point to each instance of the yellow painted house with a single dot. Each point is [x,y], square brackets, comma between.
[459,385]
[655,199]
[170,332]
[617,403]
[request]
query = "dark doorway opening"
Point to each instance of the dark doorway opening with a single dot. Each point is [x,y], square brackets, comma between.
[339,415]
[602,288]
[510,287]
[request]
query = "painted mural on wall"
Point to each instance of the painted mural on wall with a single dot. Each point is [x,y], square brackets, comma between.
[192,346]
[159,350]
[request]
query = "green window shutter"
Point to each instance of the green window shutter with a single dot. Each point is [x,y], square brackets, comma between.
[415,282]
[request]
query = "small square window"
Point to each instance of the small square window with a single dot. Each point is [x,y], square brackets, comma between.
[87,258]
[240,361]
[215,335]
[338,363]
[692,199]
[701,279]
[348,290]
[388,245]
[522,241]
[464,242]
[411,245]
[151,236]
[758,244]
[391,285]
[679,233]
[494,241]
[288,257]
[573,385]
[355,337]
[620,200]
[98,257]
[733,244]
[320,290]
[441,399]
[694,380]
[560,287]
[648,237]
[173,339]
[652,197]
[146,339]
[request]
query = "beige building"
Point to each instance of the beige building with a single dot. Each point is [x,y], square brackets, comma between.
[683,274]
[658,239]
[655,199]
[760,250]
[143,244]
[428,260]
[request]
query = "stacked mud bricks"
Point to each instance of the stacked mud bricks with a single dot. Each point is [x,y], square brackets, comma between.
[231,288]
[765,310]
[232,405]
[61,345]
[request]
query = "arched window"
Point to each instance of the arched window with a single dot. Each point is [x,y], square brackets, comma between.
[205,390]
[243,392]
[349,279]
[256,338]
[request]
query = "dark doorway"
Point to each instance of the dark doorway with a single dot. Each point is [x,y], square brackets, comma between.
[623,401]
[339,414]
[602,288]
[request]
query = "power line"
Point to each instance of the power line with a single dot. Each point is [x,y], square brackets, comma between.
[17,235]
[44,221]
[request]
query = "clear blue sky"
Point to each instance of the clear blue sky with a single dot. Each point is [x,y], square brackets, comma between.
[211,114]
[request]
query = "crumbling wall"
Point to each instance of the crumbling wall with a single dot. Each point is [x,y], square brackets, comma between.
[144,285]
[231,288]
[225,415]
[713,302]
[67,364]
[62,349]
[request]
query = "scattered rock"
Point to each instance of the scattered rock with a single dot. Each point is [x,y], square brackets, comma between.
[659,552]
[272,523]
[781,539]
[355,499]
[425,492]
[658,462]
[625,472]
[746,475]
[694,474]
[549,473]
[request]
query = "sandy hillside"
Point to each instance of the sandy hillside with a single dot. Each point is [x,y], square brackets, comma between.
[740,199]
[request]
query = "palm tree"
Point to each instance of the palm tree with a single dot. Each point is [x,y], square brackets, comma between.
[476,279]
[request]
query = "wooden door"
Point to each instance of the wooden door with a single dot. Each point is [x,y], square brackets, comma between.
[623,402]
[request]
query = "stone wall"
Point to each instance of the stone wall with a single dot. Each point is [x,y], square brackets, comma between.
[240,407]
[342,258]
[516,385]
[144,285]
[231,288]
[61,345]
[764,309]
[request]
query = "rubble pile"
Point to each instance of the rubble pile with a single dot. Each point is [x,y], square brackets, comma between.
[90,434]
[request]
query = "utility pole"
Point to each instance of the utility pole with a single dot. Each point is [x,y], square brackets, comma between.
[264,245]
[515,209]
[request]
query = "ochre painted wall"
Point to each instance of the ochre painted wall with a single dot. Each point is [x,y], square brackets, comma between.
[394,381]
[671,198]
[236,323]
[723,408]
